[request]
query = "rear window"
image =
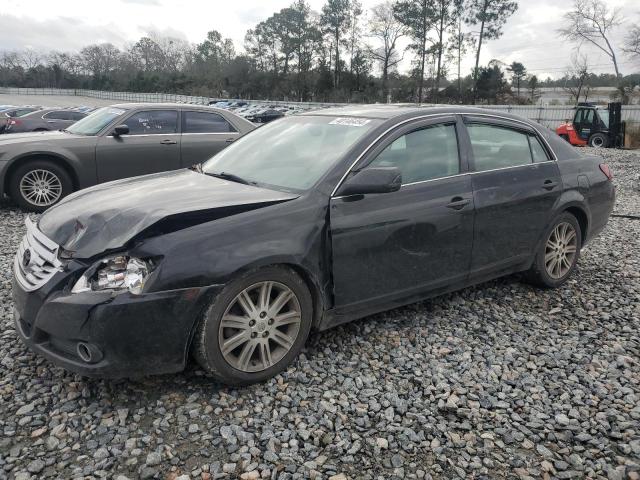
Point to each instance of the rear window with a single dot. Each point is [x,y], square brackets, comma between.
[205,122]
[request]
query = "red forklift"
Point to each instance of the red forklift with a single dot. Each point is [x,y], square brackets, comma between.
[595,127]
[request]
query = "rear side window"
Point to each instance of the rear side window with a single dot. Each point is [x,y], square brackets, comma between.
[77,115]
[498,147]
[424,154]
[151,122]
[205,122]
[57,115]
[537,150]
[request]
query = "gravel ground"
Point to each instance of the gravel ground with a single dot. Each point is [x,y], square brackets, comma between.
[500,380]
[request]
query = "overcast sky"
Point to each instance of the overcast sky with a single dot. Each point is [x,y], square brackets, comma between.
[529,36]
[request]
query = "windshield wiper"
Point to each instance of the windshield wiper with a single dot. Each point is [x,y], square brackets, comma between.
[229,176]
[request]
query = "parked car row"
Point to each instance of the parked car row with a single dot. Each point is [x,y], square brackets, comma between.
[35,118]
[258,113]
[38,169]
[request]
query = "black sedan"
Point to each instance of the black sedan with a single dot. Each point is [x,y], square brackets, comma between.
[265,116]
[305,223]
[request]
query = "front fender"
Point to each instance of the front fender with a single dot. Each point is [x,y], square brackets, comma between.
[79,160]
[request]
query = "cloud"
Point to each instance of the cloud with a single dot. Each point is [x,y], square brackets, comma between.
[59,33]
[143,2]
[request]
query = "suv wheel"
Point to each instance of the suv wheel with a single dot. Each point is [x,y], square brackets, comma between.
[38,184]
[255,327]
[558,255]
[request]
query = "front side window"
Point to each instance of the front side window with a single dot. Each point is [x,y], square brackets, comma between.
[151,122]
[205,122]
[292,153]
[498,147]
[424,154]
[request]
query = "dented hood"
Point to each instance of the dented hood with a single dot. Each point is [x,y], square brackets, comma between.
[107,216]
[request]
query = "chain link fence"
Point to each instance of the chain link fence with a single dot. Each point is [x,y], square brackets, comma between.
[550,116]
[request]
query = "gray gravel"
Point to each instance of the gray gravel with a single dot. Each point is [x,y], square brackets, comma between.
[500,380]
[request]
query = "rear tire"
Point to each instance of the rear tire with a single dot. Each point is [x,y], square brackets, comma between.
[598,140]
[558,253]
[39,184]
[268,339]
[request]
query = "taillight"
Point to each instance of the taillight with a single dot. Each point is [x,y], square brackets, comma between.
[606,170]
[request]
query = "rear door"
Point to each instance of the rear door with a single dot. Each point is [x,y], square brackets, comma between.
[152,145]
[416,239]
[203,135]
[515,186]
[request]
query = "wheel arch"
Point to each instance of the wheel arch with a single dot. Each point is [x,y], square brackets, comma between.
[318,298]
[27,157]
[583,220]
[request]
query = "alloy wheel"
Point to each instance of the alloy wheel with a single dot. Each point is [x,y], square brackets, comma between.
[40,187]
[259,326]
[560,251]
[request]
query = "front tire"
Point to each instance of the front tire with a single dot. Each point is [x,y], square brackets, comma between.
[598,140]
[558,254]
[39,184]
[255,327]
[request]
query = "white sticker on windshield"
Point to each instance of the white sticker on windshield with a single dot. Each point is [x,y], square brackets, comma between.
[350,122]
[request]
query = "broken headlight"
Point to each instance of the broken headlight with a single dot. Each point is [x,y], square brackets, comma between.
[115,273]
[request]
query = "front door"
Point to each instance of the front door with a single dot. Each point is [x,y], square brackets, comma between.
[152,145]
[416,239]
[515,186]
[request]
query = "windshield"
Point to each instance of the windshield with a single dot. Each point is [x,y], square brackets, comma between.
[93,123]
[291,153]
[604,116]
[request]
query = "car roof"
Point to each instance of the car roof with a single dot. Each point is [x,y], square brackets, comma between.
[388,112]
[129,106]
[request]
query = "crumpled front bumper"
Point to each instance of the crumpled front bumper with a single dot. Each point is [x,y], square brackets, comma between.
[111,335]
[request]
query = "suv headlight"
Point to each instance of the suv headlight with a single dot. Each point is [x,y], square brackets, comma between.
[115,273]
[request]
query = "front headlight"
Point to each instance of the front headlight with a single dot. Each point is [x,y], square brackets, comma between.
[115,273]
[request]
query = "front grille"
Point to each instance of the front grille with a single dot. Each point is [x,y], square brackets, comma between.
[33,269]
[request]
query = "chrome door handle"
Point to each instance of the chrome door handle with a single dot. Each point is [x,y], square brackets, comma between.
[168,142]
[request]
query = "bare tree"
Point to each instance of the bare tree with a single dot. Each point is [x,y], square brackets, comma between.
[29,58]
[384,27]
[591,22]
[576,77]
[632,42]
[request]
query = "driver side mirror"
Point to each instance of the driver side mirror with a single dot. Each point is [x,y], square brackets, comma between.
[372,180]
[120,130]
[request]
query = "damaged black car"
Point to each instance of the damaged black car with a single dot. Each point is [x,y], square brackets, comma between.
[306,223]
